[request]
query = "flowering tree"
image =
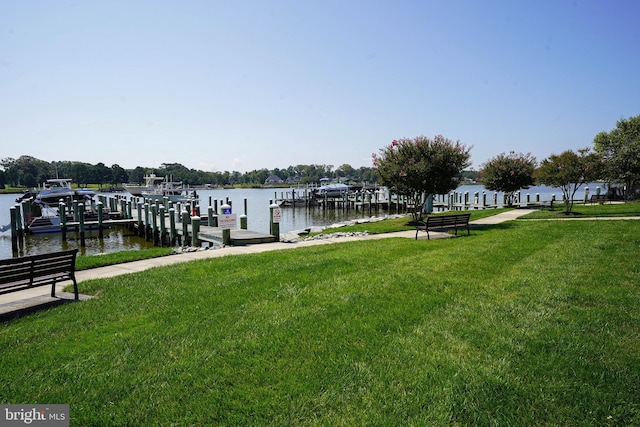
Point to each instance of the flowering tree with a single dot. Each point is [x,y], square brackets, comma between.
[509,173]
[419,167]
[568,171]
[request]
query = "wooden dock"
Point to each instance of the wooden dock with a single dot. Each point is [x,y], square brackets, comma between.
[162,231]
[155,222]
[239,237]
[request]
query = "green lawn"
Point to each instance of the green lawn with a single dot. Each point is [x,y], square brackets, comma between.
[523,323]
[85,262]
[592,210]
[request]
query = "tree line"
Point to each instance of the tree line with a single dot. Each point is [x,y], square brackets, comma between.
[29,172]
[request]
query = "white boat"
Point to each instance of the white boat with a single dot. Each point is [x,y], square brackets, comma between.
[151,181]
[60,188]
[48,199]
[157,187]
[332,190]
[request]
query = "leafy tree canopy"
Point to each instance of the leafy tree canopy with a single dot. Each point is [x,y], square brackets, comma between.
[620,149]
[568,171]
[420,167]
[509,173]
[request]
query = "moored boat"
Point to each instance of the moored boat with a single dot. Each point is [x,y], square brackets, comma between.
[158,187]
[332,190]
[60,188]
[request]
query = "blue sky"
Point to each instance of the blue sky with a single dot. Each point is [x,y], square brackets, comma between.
[243,85]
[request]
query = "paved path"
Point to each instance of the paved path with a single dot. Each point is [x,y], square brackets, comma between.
[17,302]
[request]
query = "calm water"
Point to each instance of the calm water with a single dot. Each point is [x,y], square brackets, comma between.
[258,201]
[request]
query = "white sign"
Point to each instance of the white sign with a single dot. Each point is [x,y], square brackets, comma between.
[277,215]
[228,221]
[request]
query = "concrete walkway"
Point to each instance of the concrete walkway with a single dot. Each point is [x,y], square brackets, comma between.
[18,303]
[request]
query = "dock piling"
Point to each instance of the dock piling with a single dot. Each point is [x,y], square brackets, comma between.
[195,231]
[83,242]
[100,219]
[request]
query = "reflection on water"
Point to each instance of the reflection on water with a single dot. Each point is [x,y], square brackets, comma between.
[115,239]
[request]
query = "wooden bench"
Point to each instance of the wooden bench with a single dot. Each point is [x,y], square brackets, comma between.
[598,198]
[444,222]
[17,274]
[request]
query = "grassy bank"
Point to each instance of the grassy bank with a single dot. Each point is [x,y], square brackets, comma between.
[525,323]
[399,224]
[92,261]
[589,210]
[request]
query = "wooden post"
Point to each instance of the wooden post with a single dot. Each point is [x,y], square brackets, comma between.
[63,220]
[210,216]
[172,226]
[195,230]
[185,229]
[81,219]
[243,217]
[100,218]
[147,225]
[163,227]
[154,222]
[140,223]
[25,215]
[14,230]
[19,225]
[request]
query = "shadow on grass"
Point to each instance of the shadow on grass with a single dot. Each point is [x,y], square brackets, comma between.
[507,225]
[35,305]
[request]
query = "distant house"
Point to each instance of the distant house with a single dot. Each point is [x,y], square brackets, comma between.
[293,180]
[273,179]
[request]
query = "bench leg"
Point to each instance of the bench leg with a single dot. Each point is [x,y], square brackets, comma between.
[75,289]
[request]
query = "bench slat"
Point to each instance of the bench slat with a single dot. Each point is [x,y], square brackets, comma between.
[443,222]
[38,270]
